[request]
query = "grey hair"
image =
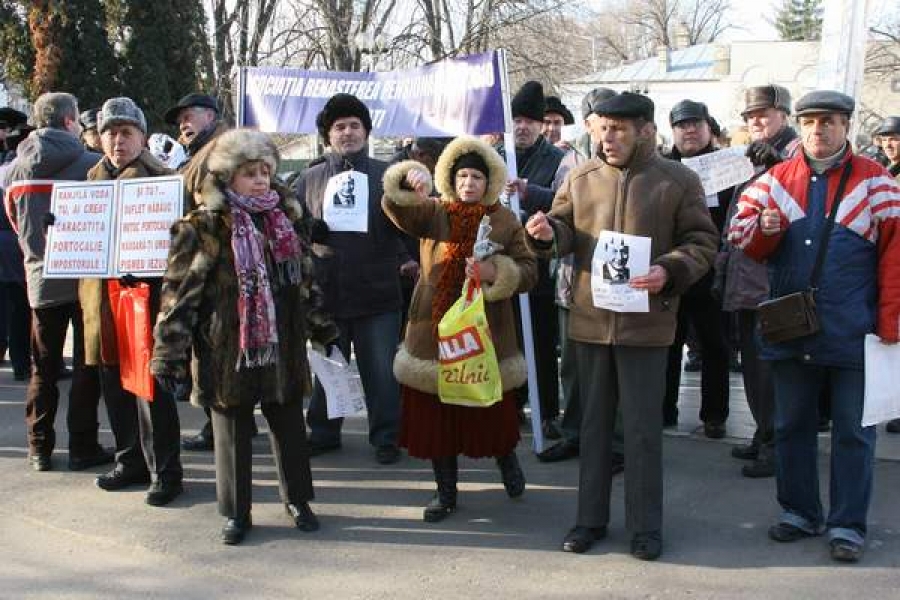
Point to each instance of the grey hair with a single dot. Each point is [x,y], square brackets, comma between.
[52,109]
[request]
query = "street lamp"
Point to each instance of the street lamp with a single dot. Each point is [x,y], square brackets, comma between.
[370,46]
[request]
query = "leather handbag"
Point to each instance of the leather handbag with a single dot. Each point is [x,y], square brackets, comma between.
[793,315]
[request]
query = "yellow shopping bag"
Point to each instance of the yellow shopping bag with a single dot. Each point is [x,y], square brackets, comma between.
[469,374]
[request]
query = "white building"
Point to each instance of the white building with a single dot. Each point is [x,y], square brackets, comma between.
[718,74]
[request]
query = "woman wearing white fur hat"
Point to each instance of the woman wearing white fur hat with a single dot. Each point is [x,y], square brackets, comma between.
[469,176]
[239,292]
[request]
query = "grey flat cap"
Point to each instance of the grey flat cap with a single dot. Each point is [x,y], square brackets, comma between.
[825,101]
[117,111]
[593,99]
[888,126]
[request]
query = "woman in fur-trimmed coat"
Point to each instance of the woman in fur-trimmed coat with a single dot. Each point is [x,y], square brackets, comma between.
[469,176]
[239,292]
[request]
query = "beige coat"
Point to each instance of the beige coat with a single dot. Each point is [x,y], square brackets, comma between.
[652,197]
[416,363]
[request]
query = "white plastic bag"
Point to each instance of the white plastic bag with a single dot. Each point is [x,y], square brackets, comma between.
[882,395]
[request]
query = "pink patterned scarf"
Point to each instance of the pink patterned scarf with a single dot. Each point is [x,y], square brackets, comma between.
[256,306]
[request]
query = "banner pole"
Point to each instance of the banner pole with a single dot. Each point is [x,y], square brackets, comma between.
[524,303]
[242,95]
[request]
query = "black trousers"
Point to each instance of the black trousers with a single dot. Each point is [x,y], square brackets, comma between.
[15,325]
[147,434]
[233,431]
[48,336]
[704,312]
[758,383]
[629,378]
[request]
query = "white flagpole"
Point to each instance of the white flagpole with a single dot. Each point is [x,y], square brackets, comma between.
[524,304]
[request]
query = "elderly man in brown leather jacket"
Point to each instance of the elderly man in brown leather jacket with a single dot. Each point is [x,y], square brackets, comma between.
[621,356]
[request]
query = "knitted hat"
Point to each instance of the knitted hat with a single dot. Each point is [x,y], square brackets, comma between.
[471,160]
[451,161]
[340,106]
[529,102]
[119,111]
[239,146]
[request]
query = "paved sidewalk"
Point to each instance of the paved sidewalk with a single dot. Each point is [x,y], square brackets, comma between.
[62,538]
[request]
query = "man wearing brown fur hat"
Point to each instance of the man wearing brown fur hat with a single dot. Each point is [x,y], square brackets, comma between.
[358,266]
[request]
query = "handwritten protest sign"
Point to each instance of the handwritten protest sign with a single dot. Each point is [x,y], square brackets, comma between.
[78,245]
[721,169]
[112,228]
[147,209]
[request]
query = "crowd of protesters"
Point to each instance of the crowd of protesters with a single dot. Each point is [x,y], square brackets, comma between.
[255,275]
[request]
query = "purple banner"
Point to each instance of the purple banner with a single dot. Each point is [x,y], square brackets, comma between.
[447,98]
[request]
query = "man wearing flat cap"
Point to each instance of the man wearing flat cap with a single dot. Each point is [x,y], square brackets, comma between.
[52,153]
[888,133]
[621,357]
[692,136]
[197,118]
[146,430]
[743,283]
[540,173]
[783,218]
[359,272]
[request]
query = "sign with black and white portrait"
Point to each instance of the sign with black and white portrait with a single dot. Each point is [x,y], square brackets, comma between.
[617,258]
[345,206]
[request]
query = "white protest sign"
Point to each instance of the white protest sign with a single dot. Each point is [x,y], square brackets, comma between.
[617,258]
[112,228]
[146,210]
[343,390]
[79,243]
[346,203]
[721,169]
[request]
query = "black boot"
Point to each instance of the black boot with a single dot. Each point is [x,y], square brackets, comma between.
[511,474]
[444,501]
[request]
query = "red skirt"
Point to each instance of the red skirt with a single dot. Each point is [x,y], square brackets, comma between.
[431,429]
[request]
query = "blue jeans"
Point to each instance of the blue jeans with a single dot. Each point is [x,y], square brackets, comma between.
[374,338]
[797,390]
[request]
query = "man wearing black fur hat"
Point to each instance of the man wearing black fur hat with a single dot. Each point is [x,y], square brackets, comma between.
[621,357]
[358,270]
[541,171]
[692,135]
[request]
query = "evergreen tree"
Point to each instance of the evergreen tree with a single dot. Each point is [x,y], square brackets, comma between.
[164,45]
[799,20]
[16,51]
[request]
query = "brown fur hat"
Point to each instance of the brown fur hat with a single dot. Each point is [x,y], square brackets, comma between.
[444,171]
[238,146]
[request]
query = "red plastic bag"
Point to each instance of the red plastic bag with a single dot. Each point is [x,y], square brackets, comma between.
[134,336]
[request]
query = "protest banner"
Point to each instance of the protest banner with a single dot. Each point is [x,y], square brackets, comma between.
[446,98]
[721,169]
[112,228]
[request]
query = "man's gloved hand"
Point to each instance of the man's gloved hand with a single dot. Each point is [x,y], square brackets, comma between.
[128,280]
[48,220]
[762,154]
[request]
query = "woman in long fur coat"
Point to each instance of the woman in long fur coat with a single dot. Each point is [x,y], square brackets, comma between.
[469,176]
[239,293]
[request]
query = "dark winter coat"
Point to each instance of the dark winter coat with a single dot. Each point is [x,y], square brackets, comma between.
[200,313]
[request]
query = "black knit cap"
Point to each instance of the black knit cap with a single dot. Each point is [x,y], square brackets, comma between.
[10,117]
[341,106]
[688,110]
[626,105]
[529,102]
[555,105]
[594,98]
[470,160]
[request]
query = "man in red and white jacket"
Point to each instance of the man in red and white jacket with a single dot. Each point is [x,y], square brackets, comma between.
[780,219]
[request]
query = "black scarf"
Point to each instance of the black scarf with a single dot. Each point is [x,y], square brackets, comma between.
[782,139]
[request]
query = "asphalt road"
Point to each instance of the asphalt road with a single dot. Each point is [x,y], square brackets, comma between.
[63,538]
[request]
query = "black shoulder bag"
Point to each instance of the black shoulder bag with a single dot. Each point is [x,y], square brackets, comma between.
[794,315]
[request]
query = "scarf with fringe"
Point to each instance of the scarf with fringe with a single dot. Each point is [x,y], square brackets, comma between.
[256,305]
[464,219]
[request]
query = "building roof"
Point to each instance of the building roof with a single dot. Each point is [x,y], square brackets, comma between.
[687,64]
